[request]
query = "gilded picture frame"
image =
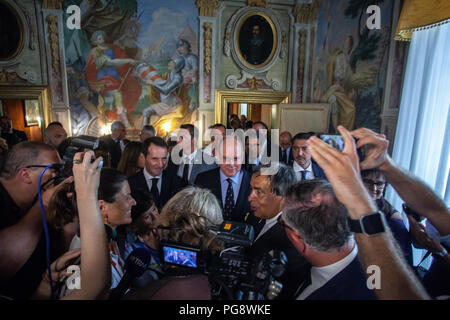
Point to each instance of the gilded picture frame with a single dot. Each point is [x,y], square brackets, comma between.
[32,112]
[256,39]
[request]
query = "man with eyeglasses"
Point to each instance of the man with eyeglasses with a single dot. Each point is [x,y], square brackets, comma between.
[22,254]
[266,200]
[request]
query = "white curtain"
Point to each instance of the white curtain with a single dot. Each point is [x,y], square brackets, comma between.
[422,140]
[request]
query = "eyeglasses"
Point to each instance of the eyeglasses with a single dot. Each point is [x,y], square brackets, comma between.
[55,166]
[284,225]
[378,185]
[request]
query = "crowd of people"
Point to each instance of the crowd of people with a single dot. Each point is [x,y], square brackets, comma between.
[324,208]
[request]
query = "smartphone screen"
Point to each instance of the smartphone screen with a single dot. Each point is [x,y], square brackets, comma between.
[180,257]
[333,140]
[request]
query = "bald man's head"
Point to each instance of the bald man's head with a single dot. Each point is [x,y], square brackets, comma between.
[55,134]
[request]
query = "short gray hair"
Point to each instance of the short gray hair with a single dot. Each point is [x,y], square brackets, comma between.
[21,155]
[313,210]
[149,129]
[116,125]
[281,180]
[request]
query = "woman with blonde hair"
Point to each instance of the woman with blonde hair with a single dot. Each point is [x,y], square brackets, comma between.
[187,219]
[190,214]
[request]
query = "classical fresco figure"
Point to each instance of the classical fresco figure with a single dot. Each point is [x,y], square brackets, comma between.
[108,71]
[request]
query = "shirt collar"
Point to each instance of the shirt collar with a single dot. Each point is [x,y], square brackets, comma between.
[191,156]
[321,275]
[235,178]
[297,167]
[148,176]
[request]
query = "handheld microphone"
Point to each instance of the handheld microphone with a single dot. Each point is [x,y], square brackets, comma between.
[135,266]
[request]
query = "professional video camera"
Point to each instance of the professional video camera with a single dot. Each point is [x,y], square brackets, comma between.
[67,150]
[232,274]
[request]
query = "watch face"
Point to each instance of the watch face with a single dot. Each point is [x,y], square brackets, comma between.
[373,223]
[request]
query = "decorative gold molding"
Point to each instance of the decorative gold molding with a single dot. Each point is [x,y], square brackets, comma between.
[9,77]
[52,4]
[207,8]
[254,83]
[223,97]
[52,22]
[257,3]
[31,92]
[301,55]
[207,43]
[306,12]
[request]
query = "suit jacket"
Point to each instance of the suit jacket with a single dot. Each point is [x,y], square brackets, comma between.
[290,159]
[241,211]
[170,185]
[317,170]
[113,148]
[349,284]
[14,138]
[297,268]
[199,165]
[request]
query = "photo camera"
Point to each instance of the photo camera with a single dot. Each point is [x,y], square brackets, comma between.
[67,150]
[337,142]
[232,273]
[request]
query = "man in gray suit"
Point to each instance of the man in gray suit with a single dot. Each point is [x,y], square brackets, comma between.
[186,160]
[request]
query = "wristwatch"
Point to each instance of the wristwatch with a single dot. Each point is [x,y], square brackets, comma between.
[441,253]
[370,224]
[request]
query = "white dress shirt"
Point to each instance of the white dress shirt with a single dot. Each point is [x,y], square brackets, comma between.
[121,143]
[321,275]
[148,179]
[269,224]
[186,159]
[297,168]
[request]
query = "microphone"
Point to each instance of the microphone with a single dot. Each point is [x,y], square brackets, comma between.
[135,266]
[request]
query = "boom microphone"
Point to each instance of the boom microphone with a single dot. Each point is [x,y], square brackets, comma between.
[135,266]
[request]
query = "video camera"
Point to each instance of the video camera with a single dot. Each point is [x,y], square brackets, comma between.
[67,150]
[232,274]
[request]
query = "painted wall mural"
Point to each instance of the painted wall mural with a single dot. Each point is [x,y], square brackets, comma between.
[134,61]
[350,62]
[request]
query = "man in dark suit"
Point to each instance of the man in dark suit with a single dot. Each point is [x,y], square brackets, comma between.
[285,148]
[186,160]
[153,177]
[255,150]
[304,166]
[12,136]
[115,142]
[316,224]
[266,200]
[229,183]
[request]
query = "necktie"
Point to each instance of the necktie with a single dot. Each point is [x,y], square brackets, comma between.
[284,156]
[186,171]
[154,190]
[304,172]
[229,201]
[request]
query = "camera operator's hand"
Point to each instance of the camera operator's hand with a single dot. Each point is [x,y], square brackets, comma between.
[58,268]
[420,237]
[86,174]
[376,146]
[342,170]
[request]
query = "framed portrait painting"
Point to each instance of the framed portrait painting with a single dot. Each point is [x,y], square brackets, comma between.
[32,114]
[256,39]
[11,37]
